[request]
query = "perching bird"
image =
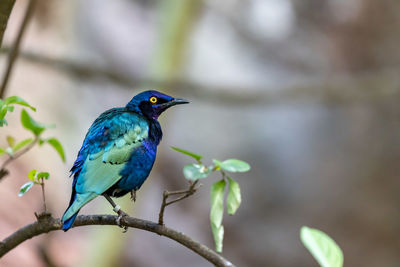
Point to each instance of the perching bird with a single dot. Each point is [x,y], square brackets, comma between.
[118,152]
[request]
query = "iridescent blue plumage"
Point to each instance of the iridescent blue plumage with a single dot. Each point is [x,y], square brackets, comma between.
[118,152]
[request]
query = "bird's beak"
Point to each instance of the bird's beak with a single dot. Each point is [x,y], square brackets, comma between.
[175,101]
[178,101]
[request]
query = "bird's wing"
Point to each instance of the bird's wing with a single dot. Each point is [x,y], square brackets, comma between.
[109,143]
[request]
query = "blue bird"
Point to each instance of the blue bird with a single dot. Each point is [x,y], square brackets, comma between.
[118,152]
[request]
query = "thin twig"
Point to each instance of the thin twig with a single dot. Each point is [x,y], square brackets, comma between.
[161,214]
[46,223]
[15,48]
[6,7]
[188,192]
[44,196]
[178,192]
[3,171]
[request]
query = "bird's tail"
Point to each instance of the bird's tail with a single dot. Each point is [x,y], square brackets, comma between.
[69,222]
[76,203]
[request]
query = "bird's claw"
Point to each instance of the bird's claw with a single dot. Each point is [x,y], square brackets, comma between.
[119,223]
[133,195]
[121,214]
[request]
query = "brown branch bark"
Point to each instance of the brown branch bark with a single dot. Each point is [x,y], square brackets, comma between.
[15,48]
[6,7]
[46,224]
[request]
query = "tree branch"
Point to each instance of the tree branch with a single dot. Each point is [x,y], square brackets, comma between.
[6,7]
[15,48]
[46,224]
[368,87]
[185,193]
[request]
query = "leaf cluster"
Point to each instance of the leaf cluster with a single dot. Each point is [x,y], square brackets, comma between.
[37,128]
[15,149]
[198,170]
[36,178]
[8,105]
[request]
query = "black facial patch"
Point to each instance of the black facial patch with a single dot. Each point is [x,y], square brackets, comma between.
[146,108]
[161,101]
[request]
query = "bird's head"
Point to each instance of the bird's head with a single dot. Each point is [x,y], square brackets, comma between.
[152,103]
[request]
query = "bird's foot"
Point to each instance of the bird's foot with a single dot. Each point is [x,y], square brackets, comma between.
[121,214]
[133,195]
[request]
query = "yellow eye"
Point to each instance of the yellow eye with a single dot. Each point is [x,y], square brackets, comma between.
[153,99]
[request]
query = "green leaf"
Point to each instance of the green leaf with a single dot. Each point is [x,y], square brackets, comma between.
[217,212]
[29,123]
[17,100]
[32,175]
[234,197]
[323,248]
[2,151]
[44,175]
[218,234]
[193,155]
[22,144]
[3,112]
[196,171]
[217,202]
[25,188]
[57,146]
[10,151]
[217,164]
[10,141]
[234,165]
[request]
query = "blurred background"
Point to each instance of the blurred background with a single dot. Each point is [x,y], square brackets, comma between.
[305,91]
